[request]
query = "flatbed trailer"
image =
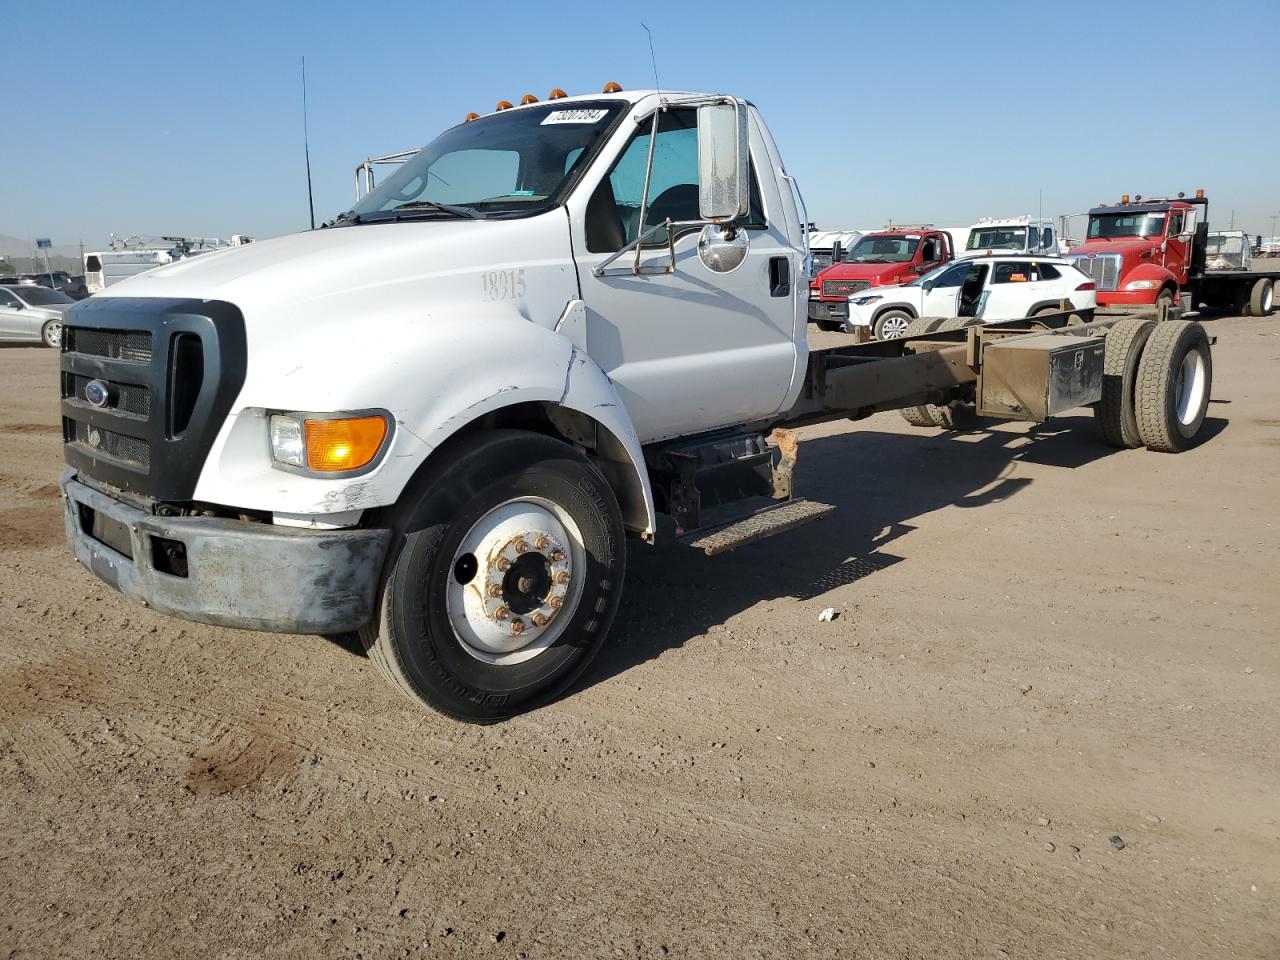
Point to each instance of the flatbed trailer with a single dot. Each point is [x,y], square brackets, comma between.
[1145,372]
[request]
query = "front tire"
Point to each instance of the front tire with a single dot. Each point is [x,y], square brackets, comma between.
[508,575]
[892,325]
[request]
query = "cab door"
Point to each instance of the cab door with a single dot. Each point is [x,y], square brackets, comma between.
[689,350]
[1180,227]
[14,324]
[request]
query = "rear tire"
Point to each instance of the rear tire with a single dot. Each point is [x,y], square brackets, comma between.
[1122,353]
[956,415]
[892,325]
[51,334]
[1262,298]
[523,530]
[1174,381]
[921,416]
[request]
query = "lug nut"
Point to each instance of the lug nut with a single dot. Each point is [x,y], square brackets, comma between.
[501,613]
[542,542]
[555,603]
[495,590]
[517,626]
[562,576]
[503,564]
[521,547]
[557,556]
[539,620]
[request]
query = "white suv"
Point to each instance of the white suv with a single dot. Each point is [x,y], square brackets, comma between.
[989,288]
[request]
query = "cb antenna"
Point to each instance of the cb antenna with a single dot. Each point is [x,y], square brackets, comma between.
[652,59]
[306,144]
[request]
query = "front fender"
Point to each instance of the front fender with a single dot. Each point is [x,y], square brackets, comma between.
[1159,276]
[434,379]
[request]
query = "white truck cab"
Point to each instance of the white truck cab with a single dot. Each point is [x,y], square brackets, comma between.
[1029,235]
[334,386]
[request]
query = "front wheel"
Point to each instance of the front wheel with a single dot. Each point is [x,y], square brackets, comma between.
[1262,298]
[51,334]
[892,324]
[507,578]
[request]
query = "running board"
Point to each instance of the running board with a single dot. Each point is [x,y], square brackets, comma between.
[755,526]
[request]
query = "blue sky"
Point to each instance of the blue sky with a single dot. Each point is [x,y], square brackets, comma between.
[186,118]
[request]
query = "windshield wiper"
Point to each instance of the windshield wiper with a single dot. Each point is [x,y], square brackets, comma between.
[469,213]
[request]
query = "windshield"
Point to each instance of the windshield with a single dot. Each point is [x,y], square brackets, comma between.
[513,163]
[998,238]
[882,250]
[1105,225]
[35,296]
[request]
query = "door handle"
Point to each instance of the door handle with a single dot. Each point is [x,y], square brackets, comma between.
[779,276]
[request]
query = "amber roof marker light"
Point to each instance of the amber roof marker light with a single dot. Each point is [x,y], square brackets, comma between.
[556,94]
[471,116]
[612,87]
[503,105]
[527,99]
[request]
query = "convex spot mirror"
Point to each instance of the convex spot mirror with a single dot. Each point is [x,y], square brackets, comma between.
[723,193]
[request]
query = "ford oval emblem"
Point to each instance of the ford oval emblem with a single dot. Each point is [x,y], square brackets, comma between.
[97,393]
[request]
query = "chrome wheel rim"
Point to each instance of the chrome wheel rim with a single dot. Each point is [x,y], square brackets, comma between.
[53,333]
[1192,381]
[893,328]
[515,581]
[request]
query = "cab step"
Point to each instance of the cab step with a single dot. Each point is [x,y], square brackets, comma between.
[755,526]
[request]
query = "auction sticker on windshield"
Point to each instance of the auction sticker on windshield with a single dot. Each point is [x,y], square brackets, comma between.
[574,116]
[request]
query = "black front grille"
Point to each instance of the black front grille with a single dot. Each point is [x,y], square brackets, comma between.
[133,450]
[132,345]
[130,397]
[169,371]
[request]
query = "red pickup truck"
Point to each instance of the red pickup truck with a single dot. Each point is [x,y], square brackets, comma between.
[876,260]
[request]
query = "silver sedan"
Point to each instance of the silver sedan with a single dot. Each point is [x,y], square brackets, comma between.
[31,312]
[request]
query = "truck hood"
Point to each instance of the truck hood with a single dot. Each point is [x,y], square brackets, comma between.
[1126,248]
[318,264]
[863,271]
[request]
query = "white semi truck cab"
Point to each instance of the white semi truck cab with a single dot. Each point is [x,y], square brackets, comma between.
[436,419]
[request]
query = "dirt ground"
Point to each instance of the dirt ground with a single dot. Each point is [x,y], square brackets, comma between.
[1044,725]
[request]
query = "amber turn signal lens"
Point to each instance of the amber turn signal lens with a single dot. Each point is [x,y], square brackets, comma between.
[349,444]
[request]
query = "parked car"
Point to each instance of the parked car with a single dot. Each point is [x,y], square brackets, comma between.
[31,312]
[75,288]
[989,288]
[877,259]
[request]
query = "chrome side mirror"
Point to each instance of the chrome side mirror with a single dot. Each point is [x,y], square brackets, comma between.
[723,194]
[722,249]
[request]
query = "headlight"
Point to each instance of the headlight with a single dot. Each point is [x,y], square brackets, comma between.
[328,444]
[286,440]
[1141,284]
[863,301]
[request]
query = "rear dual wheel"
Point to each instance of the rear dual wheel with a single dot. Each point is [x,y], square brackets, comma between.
[956,415]
[507,575]
[1262,298]
[1174,380]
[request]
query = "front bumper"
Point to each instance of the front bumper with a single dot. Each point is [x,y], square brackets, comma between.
[1126,298]
[829,311]
[238,574]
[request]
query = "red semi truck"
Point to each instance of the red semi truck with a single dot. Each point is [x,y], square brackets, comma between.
[1153,250]
[876,260]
